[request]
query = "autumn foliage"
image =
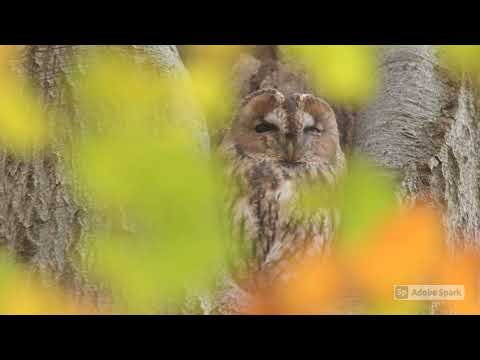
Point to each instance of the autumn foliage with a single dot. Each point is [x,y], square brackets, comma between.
[180,239]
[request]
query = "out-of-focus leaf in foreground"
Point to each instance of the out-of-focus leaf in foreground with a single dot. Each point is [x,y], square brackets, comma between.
[23,294]
[379,245]
[146,163]
[408,248]
[314,288]
[210,81]
[462,269]
[341,73]
[405,249]
[364,195]
[461,58]
[22,121]
[366,199]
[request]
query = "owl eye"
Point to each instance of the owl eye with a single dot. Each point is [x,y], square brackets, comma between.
[313,129]
[265,127]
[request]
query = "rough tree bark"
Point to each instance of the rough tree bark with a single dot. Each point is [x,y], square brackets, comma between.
[41,223]
[424,125]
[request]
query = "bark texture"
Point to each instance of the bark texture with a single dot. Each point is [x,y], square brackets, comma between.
[41,221]
[424,125]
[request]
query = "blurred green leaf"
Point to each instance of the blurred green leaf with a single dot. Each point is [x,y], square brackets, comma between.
[172,193]
[366,199]
[341,73]
[210,86]
[364,195]
[144,163]
[22,120]
[210,80]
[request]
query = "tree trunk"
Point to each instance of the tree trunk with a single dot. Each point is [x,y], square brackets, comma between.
[41,222]
[424,125]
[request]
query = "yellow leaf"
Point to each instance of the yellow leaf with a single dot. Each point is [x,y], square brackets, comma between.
[24,294]
[461,57]
[341,73]
[6,53]
[22,121]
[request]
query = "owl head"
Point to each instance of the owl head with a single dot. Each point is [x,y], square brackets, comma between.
[292,130]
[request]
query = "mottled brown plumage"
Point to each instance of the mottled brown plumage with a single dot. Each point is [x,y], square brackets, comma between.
[276,142]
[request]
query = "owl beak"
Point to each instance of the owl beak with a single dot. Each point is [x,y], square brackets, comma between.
[291,147]
[290,151]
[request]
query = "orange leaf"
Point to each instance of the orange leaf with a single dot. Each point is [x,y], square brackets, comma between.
[313,289]
[463,269]
[406,250]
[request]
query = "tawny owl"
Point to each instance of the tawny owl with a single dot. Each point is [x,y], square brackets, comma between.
[276,142]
